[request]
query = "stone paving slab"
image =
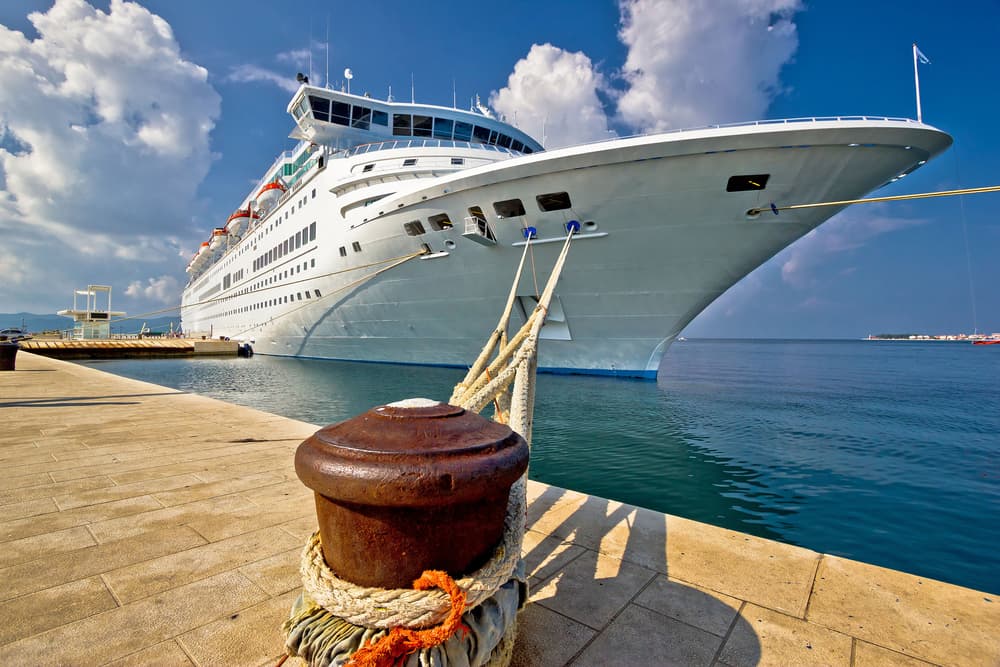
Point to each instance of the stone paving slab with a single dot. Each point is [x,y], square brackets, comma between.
[144,526]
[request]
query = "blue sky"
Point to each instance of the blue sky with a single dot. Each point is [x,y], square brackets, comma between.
[124,138]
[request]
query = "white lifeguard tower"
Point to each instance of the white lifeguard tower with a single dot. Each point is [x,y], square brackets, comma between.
[91,321]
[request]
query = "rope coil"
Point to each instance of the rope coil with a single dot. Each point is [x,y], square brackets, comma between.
[406,607]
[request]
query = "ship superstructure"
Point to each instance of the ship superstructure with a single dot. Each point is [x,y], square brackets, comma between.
[392,231]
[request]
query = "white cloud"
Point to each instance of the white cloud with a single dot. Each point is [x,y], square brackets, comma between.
[846,231]
[553,92]
[164,289]
[298,57]
[697,62]
[252,73]
[689,63]
[104,141]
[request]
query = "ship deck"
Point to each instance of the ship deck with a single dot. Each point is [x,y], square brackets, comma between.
[143,525]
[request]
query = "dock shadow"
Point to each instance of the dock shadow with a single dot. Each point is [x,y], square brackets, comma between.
[79,401]
[600,582]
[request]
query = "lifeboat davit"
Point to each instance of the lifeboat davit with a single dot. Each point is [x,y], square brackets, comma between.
[239,221]
[218,239]
[269,195]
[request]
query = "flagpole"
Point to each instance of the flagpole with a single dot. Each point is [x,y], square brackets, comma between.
[916,82]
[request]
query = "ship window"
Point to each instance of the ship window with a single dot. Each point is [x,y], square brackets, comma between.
[504,141]
[409,162]
[493,137]
[312,265]
[317,293]
[356,246]
[340,113]
[361,117]
[368,167]
[343,251]
[458,160]
[320,107]
[463,131]
[748,182]
[481,134]
[414,228]
[439,222]
[401,124]
[380,117]
[528,149]
[443,128]
[298,240]
[517,146]
[312,231]
[308,295]
[314,193]
[553,201]
[422,126]
[509,208]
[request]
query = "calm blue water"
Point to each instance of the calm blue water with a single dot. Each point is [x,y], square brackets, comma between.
[887,453]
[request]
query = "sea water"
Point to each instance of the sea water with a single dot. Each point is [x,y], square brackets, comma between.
[884,452]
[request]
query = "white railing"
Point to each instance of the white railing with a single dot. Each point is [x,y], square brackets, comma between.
[391,144]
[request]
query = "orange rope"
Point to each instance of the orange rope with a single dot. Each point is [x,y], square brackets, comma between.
[401,642]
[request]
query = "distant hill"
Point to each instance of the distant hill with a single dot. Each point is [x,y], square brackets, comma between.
[36,323]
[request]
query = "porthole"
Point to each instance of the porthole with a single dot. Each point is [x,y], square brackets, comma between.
[590,226]
[449,244]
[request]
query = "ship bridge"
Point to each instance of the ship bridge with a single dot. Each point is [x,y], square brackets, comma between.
[342,120]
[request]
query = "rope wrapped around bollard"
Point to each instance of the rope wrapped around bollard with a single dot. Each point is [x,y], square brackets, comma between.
[337,623]
[384,488]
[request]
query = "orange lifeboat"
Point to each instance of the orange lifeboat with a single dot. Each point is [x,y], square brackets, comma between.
[239,221]
[218,239]
[270,194]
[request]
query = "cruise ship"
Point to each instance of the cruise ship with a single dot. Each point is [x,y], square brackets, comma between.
[393,231]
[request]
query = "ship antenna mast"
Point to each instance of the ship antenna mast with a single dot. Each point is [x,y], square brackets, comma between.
[328,50]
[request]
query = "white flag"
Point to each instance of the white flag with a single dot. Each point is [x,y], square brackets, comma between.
[921,57]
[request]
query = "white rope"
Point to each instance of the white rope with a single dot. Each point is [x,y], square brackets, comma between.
[407,607]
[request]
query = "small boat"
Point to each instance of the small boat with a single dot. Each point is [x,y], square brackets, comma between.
[990,341]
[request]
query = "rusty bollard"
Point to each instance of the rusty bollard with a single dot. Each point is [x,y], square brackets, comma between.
[8,353]
[410,486]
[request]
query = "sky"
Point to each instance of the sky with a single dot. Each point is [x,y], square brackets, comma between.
[128,130]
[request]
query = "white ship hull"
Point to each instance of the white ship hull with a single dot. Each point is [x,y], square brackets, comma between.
[661,238]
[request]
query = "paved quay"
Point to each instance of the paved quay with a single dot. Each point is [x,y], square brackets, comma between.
[147,526]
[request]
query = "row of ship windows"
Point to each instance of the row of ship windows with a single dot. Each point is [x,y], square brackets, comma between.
[291,244]
[281,275]
[412,161]
[245,247]
[268,303]
[508,208]
[262,283]
[404,124]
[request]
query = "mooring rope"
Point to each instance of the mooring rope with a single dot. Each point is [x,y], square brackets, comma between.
[872,200]
[174,309]
[335,621]
[353,283]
